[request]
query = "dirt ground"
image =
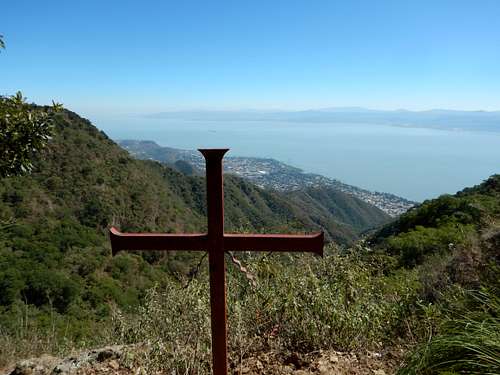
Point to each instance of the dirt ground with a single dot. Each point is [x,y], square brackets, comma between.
[323,363]
[109,361]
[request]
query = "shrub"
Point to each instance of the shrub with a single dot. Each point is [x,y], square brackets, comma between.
[412,247]
[173,325]
[299,304]
[468,341]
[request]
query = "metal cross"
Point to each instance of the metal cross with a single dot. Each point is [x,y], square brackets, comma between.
[216,242]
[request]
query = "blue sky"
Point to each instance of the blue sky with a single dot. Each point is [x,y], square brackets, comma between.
[147,56]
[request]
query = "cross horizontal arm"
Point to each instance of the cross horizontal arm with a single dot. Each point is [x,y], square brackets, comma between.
[156,241]
[275,242]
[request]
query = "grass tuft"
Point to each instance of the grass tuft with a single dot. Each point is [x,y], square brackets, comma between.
[467,343]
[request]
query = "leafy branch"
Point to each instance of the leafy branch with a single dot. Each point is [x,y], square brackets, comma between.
[24,131]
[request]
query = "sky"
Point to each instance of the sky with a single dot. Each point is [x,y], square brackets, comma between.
[100,57]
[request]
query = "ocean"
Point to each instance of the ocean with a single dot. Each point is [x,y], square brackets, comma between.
[415,163]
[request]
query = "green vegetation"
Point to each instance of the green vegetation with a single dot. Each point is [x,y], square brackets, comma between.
[326,204]
[56,273]
[24,130]
[299,304]
[454,243]
[469,341]
[444,304]
[427,281]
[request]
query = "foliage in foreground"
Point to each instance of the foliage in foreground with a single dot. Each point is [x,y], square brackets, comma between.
[454,241]
[299,304]
[354,300]
[359,299]
[468,341]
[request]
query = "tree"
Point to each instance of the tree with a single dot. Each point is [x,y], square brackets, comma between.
[24,130]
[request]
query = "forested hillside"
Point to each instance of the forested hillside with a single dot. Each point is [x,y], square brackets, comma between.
[426,283]
[453,244]
[321,202]
[54,250]
[451,224]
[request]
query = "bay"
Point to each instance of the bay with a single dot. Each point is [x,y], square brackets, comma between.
[415,163]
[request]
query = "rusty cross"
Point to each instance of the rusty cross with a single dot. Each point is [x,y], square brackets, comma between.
[216,242]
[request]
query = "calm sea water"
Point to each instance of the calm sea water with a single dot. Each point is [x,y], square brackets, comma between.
[414,163]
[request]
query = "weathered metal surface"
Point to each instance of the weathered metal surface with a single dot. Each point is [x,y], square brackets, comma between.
[156,241]
[217,266]
[312,243]
[231,242]
[216,242]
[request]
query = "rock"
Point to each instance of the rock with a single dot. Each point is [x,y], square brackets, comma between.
[259,365]
[35,366]
[114,364]
[65,367]
[109,352]
[69,365]
[48,365]
[294,359]
[110,360]
[323,368]
[333,358]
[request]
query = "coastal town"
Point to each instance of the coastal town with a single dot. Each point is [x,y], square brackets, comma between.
[273,174]
[267,173]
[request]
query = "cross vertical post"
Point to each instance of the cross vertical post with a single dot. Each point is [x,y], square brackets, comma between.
[217,266]
[216,242]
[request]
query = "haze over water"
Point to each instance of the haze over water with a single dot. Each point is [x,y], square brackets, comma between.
[415,163]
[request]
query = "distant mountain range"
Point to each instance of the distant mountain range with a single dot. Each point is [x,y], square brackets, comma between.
[435,118]
[264,172]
